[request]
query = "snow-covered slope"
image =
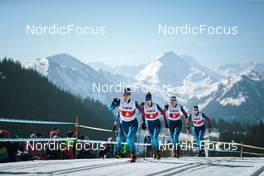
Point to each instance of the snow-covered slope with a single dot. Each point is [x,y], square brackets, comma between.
[40,65]
[228,70]
[198,84]
[173,69]
[129,70]
[101,66]
[169,68]
[240,98]
[185,76]
[191,166]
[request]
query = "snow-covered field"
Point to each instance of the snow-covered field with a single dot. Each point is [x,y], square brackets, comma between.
[183,166]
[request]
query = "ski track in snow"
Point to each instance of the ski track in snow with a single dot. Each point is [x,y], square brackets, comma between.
[191,166]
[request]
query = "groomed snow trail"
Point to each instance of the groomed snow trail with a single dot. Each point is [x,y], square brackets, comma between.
[167,166]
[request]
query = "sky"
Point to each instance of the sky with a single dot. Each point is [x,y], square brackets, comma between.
[131,30]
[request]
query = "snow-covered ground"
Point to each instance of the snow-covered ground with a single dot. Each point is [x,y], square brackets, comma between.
[166,166]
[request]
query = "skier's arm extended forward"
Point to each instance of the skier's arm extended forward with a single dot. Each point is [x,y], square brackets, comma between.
[113,106]
[115,103]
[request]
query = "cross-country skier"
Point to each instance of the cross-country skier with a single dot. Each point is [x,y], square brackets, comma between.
[114,108]
[173,113]
[150,113]
[197,119]
[128,124]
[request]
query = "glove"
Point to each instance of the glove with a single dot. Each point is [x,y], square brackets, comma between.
[143,125]
[166,107]
[114,128]
[115,100]
[142,105]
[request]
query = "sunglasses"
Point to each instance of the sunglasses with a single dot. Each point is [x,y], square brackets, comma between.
[148,101]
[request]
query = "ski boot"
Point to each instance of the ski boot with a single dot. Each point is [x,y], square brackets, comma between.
[133,158]
[158,155]
[201,153]
[154,155]
[118,155]
[176,153]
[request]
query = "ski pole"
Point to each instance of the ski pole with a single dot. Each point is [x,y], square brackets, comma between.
[208,141]
[144,156]
[164,131]
[115,137]
[138,139]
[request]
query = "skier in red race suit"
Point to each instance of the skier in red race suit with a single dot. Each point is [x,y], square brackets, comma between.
[173,113]
[198,119]
[128,123]
[150,113]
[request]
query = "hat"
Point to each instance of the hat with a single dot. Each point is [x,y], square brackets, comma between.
[127,91]
[148,97]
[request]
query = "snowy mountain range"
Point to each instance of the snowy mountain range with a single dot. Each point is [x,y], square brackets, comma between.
[240,98]
[69,73]
[170,68]
[72,75]
[238,69]
[231,91]
[125,70]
